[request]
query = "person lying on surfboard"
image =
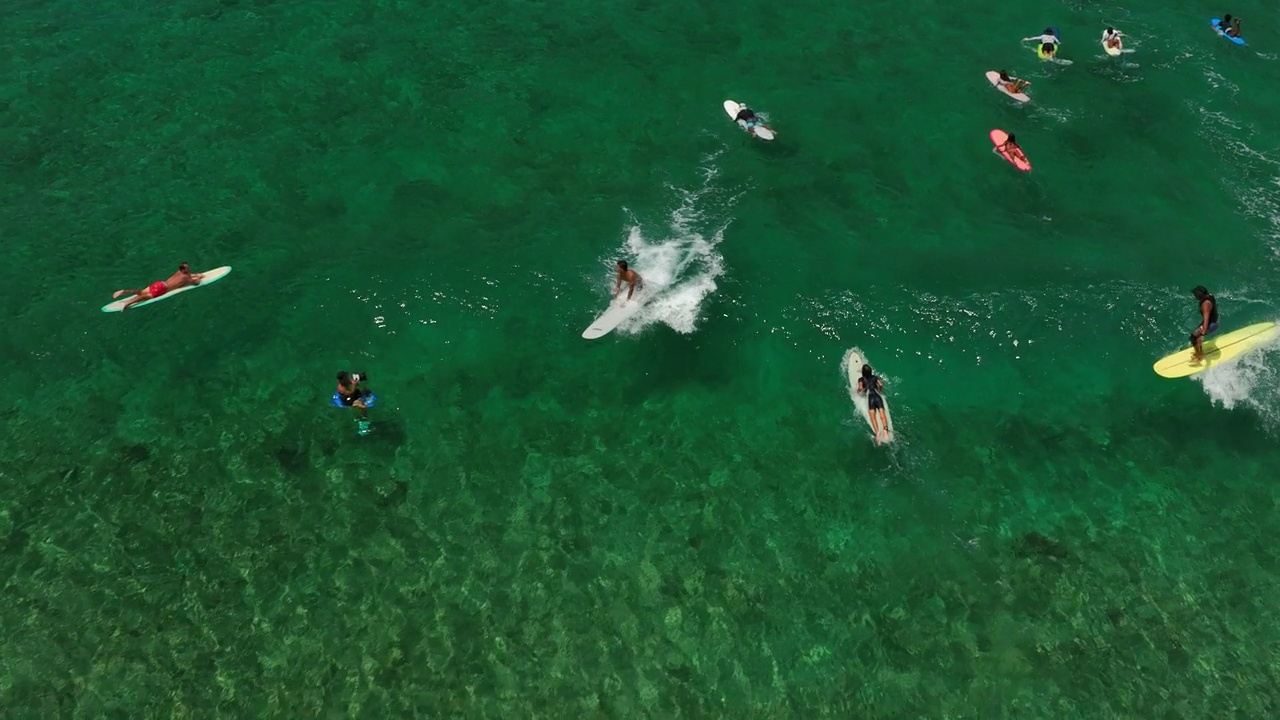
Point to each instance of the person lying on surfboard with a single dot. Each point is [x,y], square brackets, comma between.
[1228,27]
[748,116]
[631,277]
[1010,146]
[871,386]
[1208,306]
[182,278]
[1048,42]
[1012,84]
[1111,37]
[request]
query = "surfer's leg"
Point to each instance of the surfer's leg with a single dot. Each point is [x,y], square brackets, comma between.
[143,294]
[118,293]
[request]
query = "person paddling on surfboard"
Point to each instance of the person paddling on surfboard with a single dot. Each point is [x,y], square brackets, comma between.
[182,278]
[631,277]
[1208,305]
[1048,43]
[1014,85]
[871,386]
[1111,37]
[1228,27]
[748,117]
[1010,146]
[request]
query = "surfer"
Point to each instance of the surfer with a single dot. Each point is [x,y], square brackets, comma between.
[1014,85]
[1010,147]
[871,385]
[748,117]
[631,277]
[182,278]
[350,392]
[1048,43]
[1228,26]
[1111,38]
[1208,306]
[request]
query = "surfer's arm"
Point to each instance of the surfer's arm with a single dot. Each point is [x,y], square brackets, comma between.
[1204,318]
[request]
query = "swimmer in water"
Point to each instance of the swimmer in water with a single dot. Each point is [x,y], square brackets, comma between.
[182,278]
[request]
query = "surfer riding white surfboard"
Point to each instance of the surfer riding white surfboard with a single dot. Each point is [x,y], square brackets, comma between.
[748,120]
[866,389]
[625,304]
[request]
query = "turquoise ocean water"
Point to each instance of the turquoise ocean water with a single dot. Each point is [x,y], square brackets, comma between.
[684,518]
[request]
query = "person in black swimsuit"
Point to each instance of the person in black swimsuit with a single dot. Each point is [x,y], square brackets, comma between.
[1208,305]
[872,386]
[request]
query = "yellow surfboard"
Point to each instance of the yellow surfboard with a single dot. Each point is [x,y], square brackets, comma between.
[1217,350]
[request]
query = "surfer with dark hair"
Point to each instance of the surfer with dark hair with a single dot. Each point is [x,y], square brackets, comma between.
[871,386]
[1013,84]
[1208,306]
[750,120]
[631,277]
[182,278]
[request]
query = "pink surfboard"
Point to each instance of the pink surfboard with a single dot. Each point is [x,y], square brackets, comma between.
[1019,161]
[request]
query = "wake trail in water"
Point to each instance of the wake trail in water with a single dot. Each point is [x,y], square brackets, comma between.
[682,260]
[1252,382]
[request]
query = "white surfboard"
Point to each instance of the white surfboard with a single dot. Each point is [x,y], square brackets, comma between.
[619,311]
[853,362]
[993,77]
[732,108]
[210,277]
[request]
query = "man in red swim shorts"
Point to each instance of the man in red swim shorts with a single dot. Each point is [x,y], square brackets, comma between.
[182,278]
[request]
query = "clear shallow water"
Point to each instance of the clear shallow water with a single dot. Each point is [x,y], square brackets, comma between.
[684,519]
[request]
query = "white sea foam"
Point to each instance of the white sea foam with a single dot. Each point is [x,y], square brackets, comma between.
[1250,382]
[682,259]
